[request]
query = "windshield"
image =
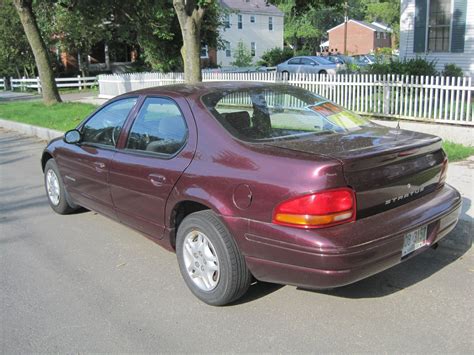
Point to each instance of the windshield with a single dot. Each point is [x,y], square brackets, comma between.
[279,112]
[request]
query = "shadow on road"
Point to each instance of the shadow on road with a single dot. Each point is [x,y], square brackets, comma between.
[257,290]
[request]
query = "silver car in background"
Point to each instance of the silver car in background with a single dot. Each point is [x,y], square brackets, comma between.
[307,64]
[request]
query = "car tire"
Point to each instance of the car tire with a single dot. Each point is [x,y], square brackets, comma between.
[285,75]
[322,72]
[207,251]
[57,195]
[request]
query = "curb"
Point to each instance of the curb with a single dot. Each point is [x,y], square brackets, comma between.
[40,132]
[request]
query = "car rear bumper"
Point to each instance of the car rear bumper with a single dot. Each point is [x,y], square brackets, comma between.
[340,255]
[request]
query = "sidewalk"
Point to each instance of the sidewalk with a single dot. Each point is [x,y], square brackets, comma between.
[87,97]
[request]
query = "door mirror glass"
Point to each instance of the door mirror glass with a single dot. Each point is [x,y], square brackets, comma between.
[72,137]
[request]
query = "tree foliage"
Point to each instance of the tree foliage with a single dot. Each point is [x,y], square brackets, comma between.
[307,22]
[16,57]
[242,56]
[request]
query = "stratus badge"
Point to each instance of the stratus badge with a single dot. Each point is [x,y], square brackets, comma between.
[402,197]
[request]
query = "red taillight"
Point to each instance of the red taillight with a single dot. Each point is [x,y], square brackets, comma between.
[444,173]
[320,209]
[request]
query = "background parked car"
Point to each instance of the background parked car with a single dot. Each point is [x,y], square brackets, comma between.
[307,64]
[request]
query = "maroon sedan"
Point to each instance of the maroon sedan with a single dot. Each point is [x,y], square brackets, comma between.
[247,180]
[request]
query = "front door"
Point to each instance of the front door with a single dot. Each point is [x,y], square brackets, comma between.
[158,149]
[85,166]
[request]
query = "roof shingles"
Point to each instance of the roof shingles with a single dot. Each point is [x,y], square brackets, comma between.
[252,6]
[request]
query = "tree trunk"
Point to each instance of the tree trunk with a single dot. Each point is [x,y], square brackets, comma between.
[190,20]
[40,52]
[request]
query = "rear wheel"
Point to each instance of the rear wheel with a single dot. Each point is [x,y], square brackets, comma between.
[285,75]
[209,259]
[57,195]
[322,72]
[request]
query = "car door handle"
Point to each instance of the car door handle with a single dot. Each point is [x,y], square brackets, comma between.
[156,179]
[99,166]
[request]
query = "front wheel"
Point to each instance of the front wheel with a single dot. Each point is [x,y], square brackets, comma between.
[57,195]
[209,259]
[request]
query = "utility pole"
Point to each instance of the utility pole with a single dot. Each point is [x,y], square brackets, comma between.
[346,18]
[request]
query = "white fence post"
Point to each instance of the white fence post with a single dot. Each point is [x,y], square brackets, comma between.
[38,84]
[79,82]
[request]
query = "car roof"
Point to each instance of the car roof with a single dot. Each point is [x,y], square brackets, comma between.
[199,89]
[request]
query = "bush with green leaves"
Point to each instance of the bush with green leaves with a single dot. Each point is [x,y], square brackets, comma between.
[242,56]
[452,70]
[275,56]
[414,66]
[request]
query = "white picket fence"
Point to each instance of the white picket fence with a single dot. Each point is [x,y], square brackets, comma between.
[3,83]
[427,98]
[80,82]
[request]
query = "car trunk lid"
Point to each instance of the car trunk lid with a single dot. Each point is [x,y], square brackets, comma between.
[386,167]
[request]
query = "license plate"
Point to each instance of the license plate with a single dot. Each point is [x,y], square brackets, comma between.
[414,240]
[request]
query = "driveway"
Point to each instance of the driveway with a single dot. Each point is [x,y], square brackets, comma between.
[83,283]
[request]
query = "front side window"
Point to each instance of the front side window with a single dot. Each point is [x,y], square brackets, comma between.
[105,126]
[279,112]
[270,23]
[439,24]
[306,61]
[239,22]
[159,128]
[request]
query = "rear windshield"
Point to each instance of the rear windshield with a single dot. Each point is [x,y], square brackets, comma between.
[279,112]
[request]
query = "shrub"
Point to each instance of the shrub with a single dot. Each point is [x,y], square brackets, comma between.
[416,66]
[275,56]
[452,70]
[242,56]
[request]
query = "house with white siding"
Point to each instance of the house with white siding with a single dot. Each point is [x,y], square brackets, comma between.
[255,23]
[440,30]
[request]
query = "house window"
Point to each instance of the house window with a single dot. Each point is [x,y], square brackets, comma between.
[239,22]
[385,35]
[252,19]
[228,52]
[204,52]
[227,21]
[253,48]
[270,23]
[378,35]
[439,23]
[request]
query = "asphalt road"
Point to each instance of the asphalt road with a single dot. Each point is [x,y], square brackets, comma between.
[83,283]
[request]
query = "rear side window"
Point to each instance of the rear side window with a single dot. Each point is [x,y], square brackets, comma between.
[105,126]
[294,61]
[159,128]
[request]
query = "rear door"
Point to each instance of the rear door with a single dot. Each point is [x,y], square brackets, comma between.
[85,165]
[159,146]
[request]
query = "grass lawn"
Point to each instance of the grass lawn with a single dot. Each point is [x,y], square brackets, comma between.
[67,115]
[62,116]
[457,151]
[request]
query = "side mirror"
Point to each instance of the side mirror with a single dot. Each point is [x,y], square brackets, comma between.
[73,136]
